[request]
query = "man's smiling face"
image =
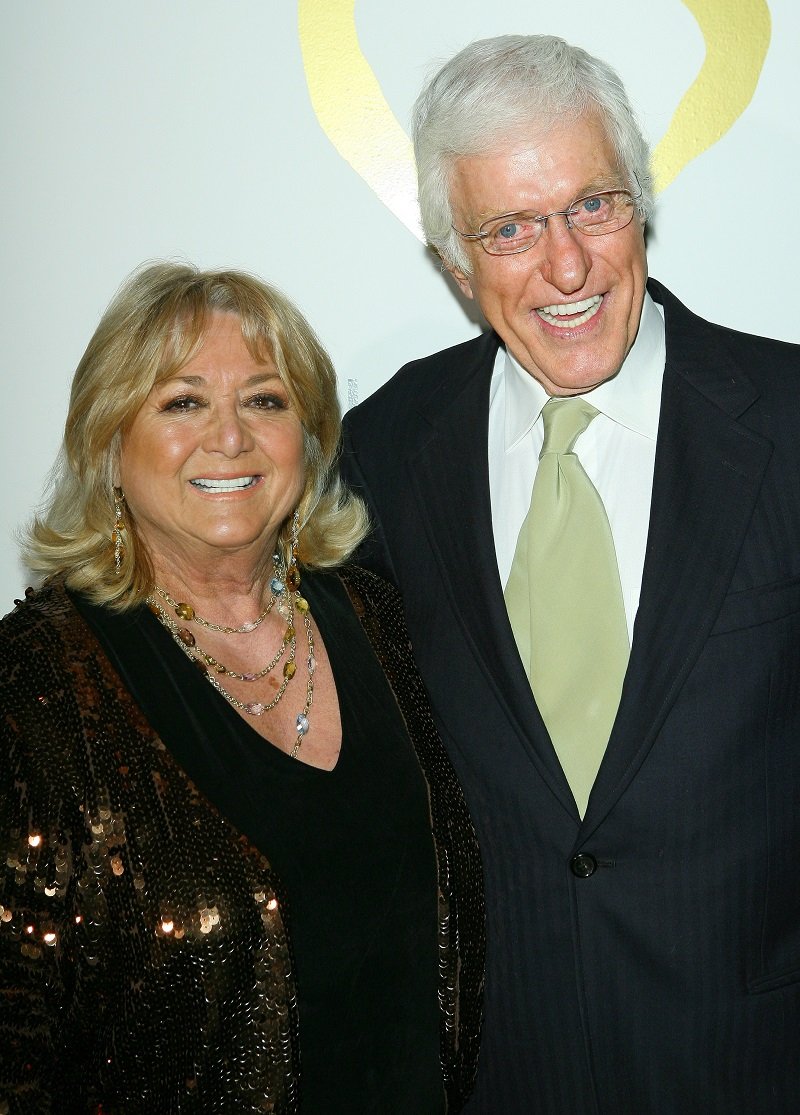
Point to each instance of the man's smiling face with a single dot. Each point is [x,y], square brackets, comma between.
[567,309]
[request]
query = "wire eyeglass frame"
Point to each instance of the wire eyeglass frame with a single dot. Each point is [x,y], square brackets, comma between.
[620,218]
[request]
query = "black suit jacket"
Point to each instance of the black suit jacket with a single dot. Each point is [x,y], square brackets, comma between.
[659,971]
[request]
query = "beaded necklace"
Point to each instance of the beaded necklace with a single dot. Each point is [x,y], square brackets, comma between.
[187,612]
[213,669]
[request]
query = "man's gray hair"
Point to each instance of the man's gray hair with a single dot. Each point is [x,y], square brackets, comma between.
[492,90]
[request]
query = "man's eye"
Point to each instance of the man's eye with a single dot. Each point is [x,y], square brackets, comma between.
[513,231]
[509,231]
[595,208]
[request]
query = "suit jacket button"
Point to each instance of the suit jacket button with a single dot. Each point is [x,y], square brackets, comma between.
[583,865]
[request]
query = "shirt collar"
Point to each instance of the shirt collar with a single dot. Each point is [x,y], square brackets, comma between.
[632,398]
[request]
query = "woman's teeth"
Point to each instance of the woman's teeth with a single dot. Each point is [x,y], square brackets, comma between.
[235,484]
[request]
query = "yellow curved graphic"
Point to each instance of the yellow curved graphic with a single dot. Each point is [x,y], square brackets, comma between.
[355,116]
[737,37]
[352,109]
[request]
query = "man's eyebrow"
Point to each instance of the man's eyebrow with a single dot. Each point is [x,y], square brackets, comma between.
[596,186]
[602,185]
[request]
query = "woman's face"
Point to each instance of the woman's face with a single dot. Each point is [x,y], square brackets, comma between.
[212,464]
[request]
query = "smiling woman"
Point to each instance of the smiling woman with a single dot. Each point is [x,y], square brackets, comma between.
[212,463]
[216,867]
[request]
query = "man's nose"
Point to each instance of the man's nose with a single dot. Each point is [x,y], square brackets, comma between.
[566,258]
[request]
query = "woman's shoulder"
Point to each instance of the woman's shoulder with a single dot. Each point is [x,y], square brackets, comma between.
[46,606]
[48,654]
[369,595]
[41,619]
[373,590]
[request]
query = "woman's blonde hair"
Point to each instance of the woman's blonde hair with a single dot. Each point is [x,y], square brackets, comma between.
[154,325]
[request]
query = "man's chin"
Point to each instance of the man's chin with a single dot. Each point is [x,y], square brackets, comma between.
[578,382]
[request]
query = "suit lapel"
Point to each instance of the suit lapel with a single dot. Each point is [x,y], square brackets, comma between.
[450,476]
[708,472]
[709,469]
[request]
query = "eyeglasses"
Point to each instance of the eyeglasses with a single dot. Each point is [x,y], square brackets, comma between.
[595,215]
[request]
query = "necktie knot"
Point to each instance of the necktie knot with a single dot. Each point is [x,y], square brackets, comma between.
[564,422]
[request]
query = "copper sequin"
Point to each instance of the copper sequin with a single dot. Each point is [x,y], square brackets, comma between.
[144,962]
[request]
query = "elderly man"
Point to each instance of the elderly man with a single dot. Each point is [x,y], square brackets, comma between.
[593,512]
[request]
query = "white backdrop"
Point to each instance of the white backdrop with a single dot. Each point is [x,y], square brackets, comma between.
[186,129]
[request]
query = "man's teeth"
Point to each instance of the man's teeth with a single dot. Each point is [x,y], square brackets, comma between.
[235,484]
[585,309]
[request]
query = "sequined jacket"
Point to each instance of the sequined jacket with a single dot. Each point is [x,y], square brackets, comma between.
[144,963]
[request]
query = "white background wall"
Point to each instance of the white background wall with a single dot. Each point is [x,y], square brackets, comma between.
[184,129]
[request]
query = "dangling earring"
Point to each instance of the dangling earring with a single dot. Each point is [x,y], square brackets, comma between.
[116,533]
[293,573]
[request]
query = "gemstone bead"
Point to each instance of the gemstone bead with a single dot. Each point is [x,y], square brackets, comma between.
[184,611]
[255,708]
[302,604]
[312,664]
[302,724]
[276,586]
[289,634]
[293,578]
[289,670]
[186,637]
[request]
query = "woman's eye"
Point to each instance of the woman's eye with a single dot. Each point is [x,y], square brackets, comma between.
[181,403]
[267,401]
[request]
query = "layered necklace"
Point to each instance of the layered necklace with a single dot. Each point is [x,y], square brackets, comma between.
[284,596]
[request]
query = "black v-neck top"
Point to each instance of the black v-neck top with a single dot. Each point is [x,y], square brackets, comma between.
[352,846]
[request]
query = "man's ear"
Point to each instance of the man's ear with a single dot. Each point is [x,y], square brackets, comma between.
[464,285]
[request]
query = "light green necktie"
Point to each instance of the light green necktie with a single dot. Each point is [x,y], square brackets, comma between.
[564,601]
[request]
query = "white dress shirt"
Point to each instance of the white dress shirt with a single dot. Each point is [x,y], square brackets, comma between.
[617,450]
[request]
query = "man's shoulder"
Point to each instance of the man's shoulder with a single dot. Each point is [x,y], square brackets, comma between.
[689,333]
[429,382]
[476,348]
